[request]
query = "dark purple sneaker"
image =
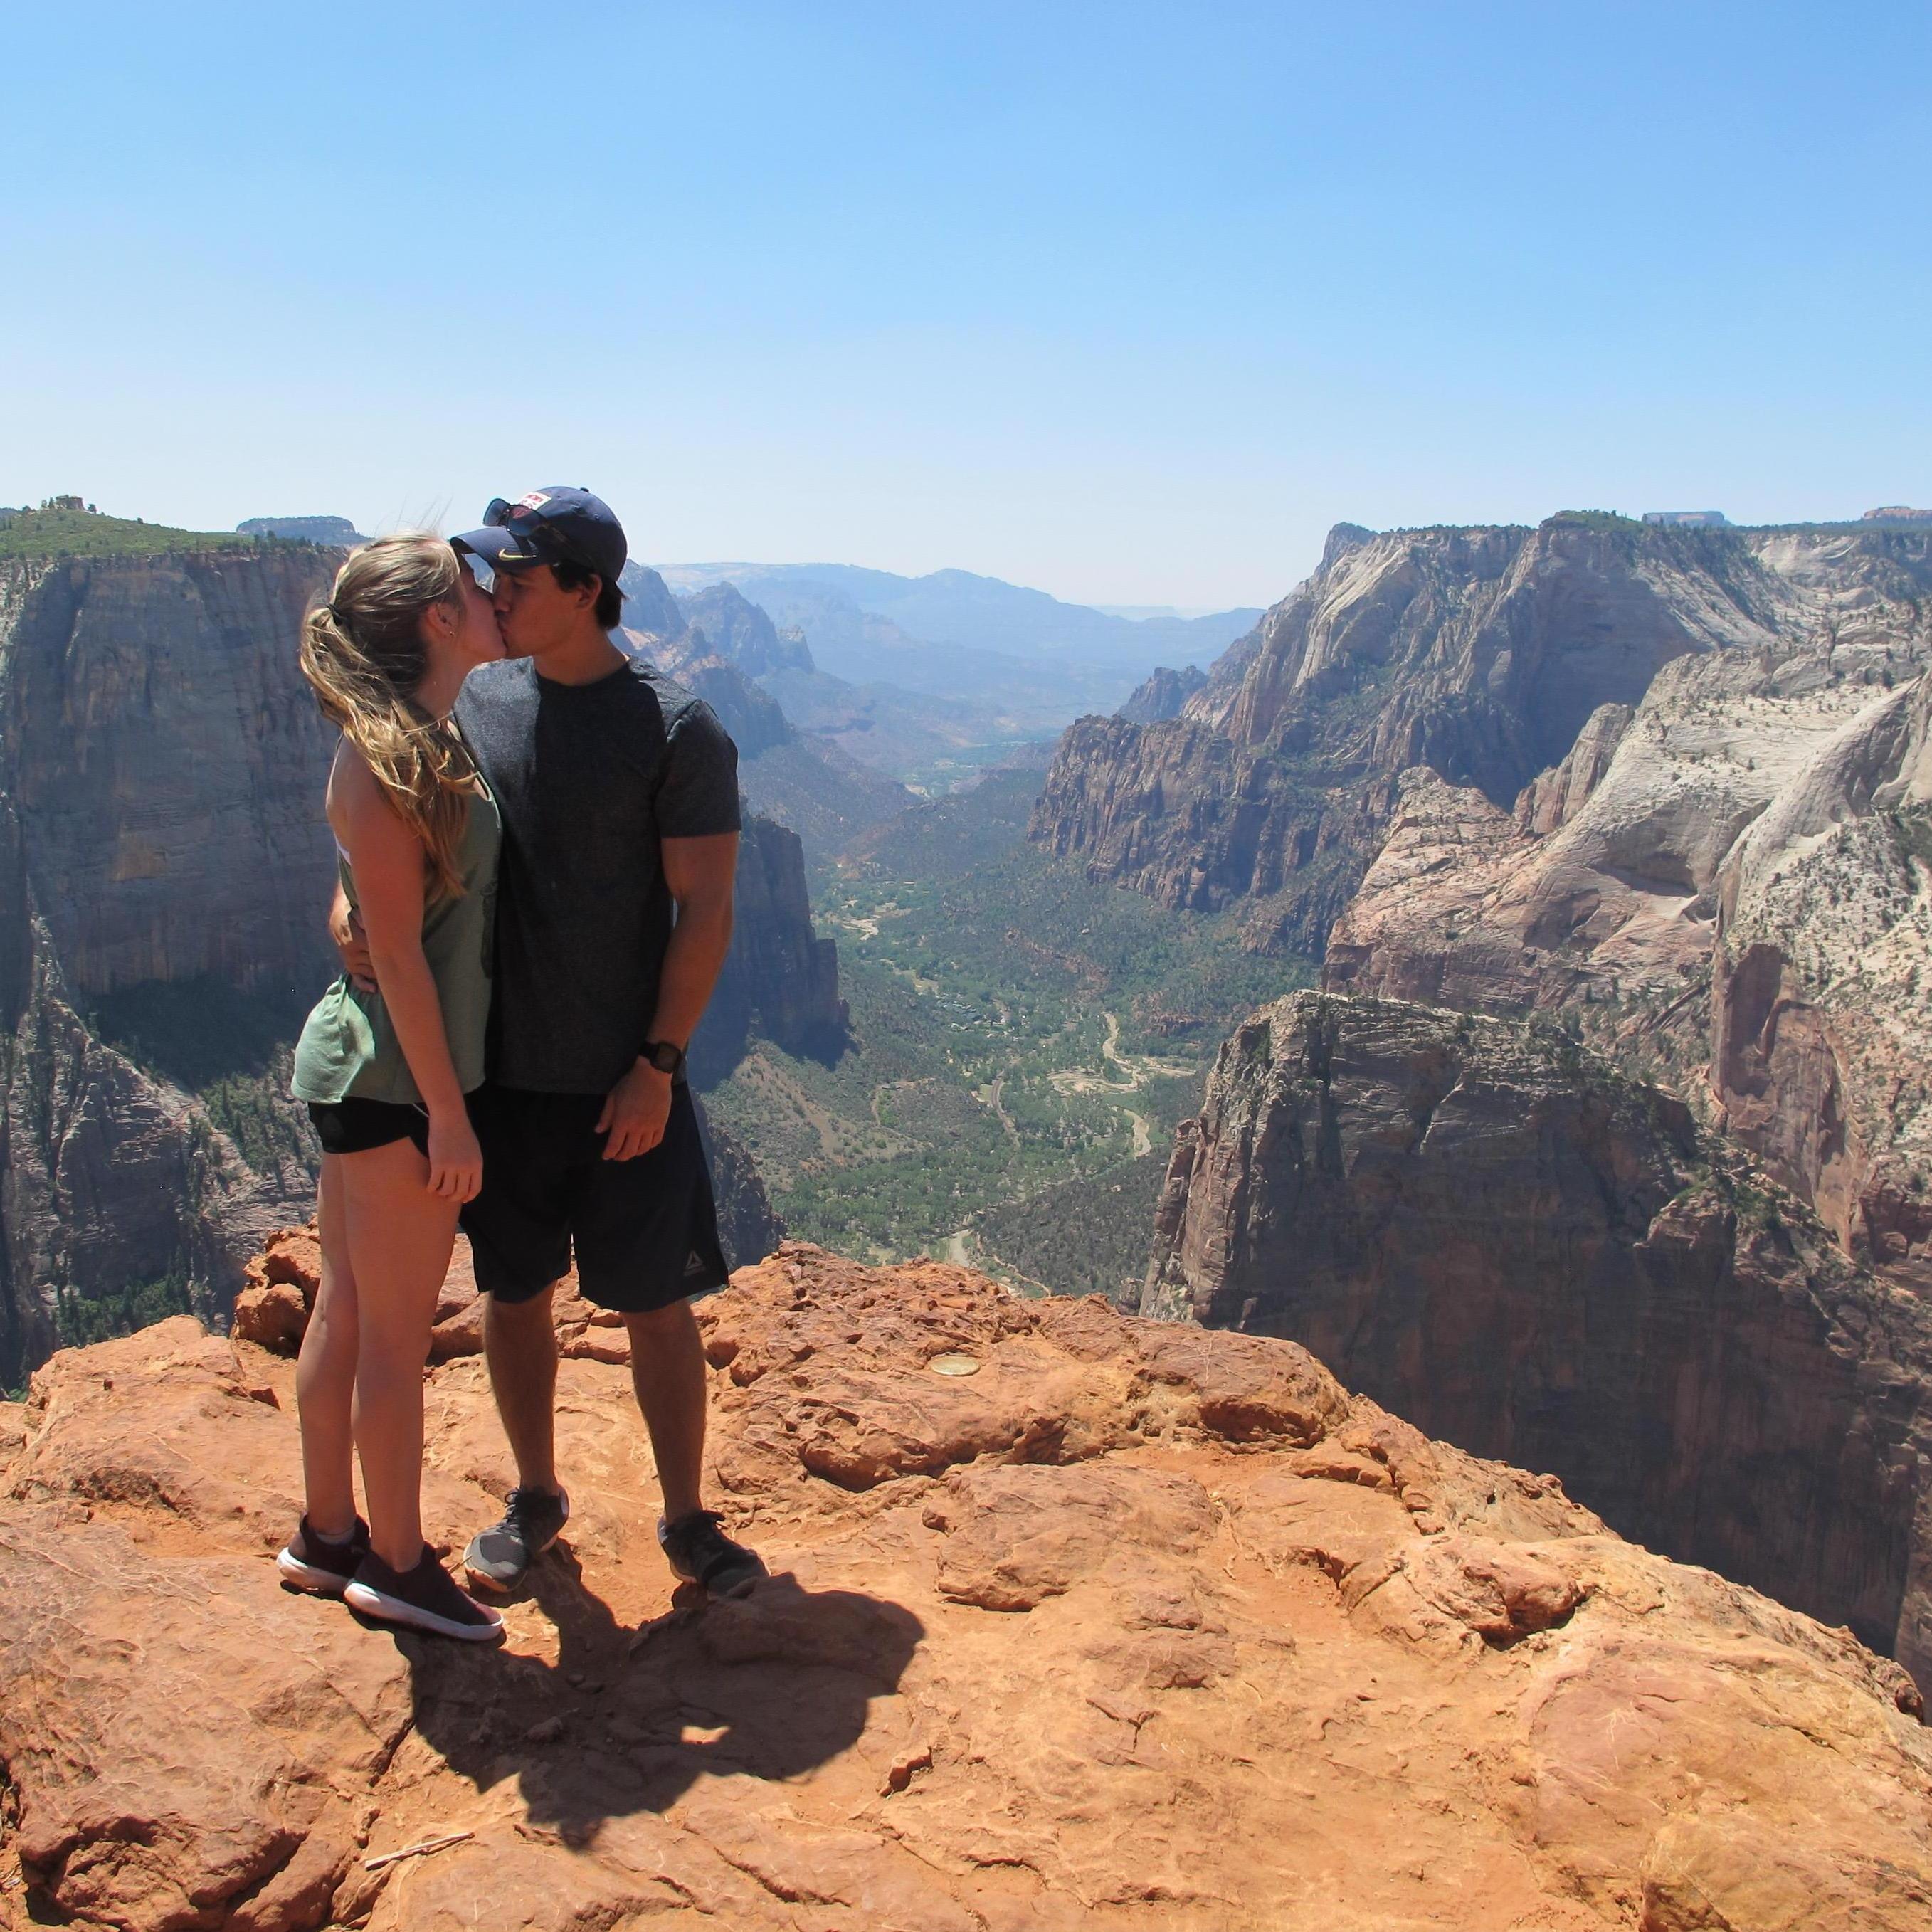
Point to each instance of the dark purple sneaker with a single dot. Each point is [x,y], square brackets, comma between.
[425,1598]
[323,1569]
[701,1553]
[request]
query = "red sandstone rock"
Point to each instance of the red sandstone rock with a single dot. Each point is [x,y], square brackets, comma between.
[1134,1627]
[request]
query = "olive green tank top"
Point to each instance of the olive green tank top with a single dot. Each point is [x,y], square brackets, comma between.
[349,1050]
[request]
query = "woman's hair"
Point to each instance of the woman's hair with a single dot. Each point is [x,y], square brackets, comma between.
[364,654]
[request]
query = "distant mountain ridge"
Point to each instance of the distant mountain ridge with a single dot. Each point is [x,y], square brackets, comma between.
[962,608]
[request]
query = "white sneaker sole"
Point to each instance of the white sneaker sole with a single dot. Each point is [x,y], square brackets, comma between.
[394,1610]
[307,1577]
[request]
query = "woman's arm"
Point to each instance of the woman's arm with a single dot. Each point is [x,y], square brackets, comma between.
[387,859]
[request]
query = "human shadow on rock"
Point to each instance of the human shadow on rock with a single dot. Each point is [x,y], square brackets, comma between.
[626,1720]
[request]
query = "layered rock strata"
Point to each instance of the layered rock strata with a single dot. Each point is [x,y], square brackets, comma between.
[160,762]
[1822,998]
[1485,1227]
[1600,884]
[1734,879]
[1129,1626]
[1481,653]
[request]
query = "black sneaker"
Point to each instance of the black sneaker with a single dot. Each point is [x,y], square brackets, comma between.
[532,1520]
[701,1552]
[425,1598]
[323,1569]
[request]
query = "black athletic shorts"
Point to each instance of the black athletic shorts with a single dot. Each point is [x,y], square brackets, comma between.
[355,1126]
[645,1231]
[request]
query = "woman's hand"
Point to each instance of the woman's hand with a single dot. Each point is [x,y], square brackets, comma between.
[455,1158]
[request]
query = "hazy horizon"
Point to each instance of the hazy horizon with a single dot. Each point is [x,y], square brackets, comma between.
[1129,308]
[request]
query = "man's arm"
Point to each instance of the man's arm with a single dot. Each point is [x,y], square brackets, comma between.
[700,874]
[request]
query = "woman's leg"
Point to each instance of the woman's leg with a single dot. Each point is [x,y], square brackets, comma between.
[326,1375]
[400,1237]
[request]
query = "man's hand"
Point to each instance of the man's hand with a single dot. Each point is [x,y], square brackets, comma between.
[345,928]
[635,1112]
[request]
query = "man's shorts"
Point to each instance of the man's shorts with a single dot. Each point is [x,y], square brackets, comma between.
[645,1230]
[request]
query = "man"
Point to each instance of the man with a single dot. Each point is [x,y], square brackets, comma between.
[620,801]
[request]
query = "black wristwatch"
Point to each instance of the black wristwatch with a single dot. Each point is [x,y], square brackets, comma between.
[664,1057]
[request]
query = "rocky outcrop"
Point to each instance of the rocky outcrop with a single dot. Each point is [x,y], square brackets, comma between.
[1822,1003]
[1487,1229]
[1163,696]
[1600,889]
[164,864]
[1741,883]
[649,606]
[738,630]
[1481,653]
[1122,1628]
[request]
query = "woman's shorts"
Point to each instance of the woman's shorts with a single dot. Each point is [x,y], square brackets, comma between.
[355,1126]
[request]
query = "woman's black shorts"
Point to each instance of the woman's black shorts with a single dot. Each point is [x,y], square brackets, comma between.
[355,1126]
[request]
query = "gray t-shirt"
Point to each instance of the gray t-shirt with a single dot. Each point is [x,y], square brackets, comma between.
[589,779]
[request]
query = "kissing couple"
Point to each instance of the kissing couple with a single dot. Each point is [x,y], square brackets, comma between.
[538,837]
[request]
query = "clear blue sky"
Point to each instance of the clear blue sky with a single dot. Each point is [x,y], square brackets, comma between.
[1130,302]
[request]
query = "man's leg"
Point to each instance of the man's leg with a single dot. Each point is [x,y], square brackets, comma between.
[668,1371]
[520,1345]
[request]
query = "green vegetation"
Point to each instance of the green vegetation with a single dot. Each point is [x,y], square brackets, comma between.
[78,1322]
[1025,1042]
[230,1048]
[1085,1237]
[86,533]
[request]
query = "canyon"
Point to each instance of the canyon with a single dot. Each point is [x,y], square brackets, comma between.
[1076,1620]
[1606,1148]
[1481,653]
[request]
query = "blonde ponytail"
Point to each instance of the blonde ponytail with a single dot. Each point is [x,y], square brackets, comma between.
[363,654]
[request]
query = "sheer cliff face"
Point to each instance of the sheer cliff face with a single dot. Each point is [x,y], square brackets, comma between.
[160,758]
[1821,1010]
[1741,881]
[161,751]
[779,976]
[163,848]
[1483,1226]
[1481,653]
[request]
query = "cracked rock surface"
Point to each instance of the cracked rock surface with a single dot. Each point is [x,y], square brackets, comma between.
[1132,1625]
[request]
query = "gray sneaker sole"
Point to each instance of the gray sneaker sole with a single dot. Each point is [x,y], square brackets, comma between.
[473,1561]
[737,1588]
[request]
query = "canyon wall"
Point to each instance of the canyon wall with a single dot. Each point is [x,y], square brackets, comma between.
[1486,1227]
[160,764]
[1481,653]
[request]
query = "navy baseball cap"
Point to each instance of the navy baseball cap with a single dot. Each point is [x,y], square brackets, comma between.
[557,524]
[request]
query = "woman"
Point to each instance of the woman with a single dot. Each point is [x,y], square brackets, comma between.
[385,1073]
